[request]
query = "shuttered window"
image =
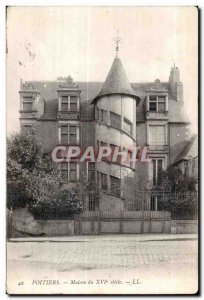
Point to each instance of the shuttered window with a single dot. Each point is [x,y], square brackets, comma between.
[157,135]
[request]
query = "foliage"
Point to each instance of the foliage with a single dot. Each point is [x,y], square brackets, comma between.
[174,180]
[176,192]
[63,204]
[30,173]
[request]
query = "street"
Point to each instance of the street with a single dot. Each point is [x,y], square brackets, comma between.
[135,264]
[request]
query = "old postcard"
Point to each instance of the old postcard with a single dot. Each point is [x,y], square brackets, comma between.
[102,150]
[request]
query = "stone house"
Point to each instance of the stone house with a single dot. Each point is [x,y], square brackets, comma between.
[113,113]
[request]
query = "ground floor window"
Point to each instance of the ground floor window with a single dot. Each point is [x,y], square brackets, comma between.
[153,203]
[158,166]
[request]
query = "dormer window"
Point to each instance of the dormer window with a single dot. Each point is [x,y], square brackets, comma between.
[157,103]
[27,103]
[73,103]
[161,103]
[64,103]
[69,103]
[153,103]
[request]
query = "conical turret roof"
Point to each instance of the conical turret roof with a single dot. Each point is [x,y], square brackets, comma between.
[116,81]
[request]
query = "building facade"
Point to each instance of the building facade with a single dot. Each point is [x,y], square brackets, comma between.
[117,114]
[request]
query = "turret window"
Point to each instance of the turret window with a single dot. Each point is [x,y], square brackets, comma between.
[127,126]
[115,186]
[104,181]
[115,120]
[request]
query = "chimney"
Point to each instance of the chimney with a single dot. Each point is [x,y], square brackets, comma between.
[175,84]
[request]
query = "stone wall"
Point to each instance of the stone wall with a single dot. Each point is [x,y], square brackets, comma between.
[23,224]
[184,226]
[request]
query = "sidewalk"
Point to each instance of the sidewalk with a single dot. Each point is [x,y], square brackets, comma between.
[119,237]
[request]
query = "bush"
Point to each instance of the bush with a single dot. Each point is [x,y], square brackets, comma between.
[63,204]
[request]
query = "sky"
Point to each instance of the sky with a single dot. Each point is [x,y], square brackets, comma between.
[44,43]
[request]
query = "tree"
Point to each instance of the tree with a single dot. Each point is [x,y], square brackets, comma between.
[33,180]
[30,173]
[176,192]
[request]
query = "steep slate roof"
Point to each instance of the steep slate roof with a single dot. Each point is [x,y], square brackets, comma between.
[117,82]
[189,151]
[90,90]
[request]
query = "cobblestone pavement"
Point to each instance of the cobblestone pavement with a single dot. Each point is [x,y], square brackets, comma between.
[153,254]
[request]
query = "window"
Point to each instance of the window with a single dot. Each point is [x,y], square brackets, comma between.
[91,171]
[104,145]
[72,135]
[115,186]
[103,116]
[69,171]
[64,171]
[152,103]
[64,134]
[73,171]
[68,135]
[127,125]
[27,103]
[157,168]
[64,103]
[153,203]
[157,135]
[92,205]
[161,103]
[115,120]
[73,103]
[119,157]
[157,103]
[103,181]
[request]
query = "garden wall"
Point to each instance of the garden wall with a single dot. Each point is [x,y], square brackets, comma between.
[184,226]
[23,224]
